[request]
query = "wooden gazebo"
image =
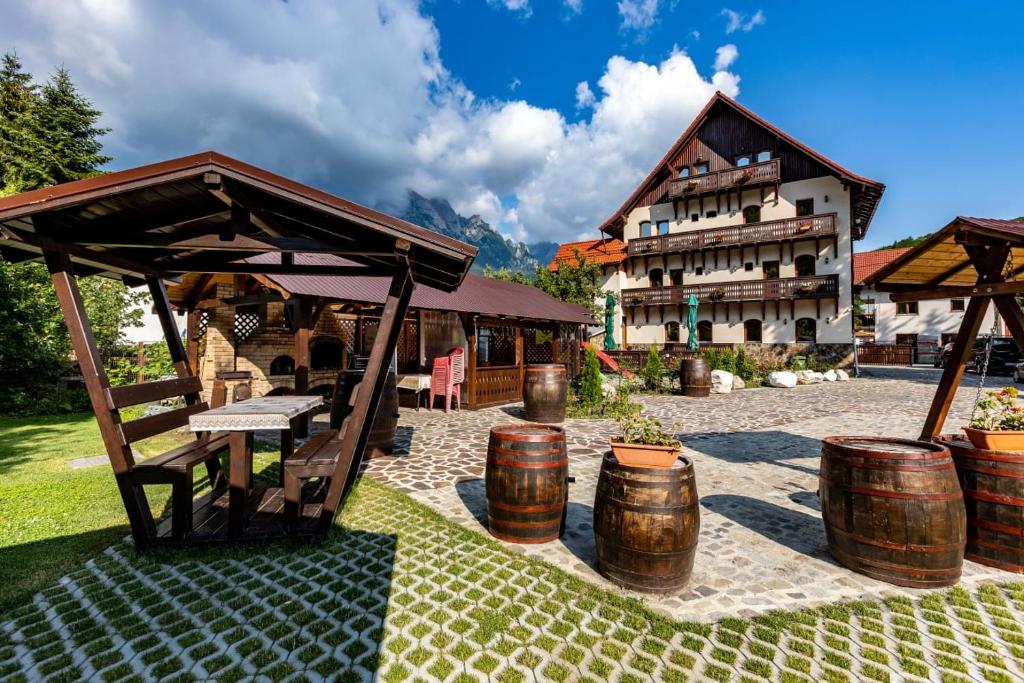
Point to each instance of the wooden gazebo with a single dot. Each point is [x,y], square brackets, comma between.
[208,213]
[980,258]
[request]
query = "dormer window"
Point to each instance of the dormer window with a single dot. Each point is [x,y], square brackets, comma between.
[743,160]
[700,168]
[764,155]
[684,172]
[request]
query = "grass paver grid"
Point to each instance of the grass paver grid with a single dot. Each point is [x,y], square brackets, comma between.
[402,594]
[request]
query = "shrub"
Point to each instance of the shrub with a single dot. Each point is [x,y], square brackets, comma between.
[653,370]
[589,392]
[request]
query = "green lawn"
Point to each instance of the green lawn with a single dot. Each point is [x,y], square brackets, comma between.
[51,516]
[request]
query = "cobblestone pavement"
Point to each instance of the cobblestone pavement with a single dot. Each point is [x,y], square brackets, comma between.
[755,452]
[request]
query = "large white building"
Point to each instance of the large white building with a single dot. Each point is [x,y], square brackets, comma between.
[757,225]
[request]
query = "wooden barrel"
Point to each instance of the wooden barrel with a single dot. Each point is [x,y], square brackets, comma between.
[695,377]
[526,482]
[385,423]
[545,388]
[993,486]
[646,523]
[893,509]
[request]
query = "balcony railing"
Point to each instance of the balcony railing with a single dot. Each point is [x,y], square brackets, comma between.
[819,225]
[729,179]
[810,287]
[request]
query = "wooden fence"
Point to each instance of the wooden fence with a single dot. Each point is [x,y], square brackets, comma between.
[885,354]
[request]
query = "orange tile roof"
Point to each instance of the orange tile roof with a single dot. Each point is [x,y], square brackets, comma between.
[867,262]
[603,252]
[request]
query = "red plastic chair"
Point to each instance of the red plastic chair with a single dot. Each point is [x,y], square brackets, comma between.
[458,374]
[441,382]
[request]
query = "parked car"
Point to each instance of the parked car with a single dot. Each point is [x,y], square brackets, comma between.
[1018,373]
[943,355]
[1005,356]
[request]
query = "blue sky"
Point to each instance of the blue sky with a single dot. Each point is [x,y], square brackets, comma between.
[542,115]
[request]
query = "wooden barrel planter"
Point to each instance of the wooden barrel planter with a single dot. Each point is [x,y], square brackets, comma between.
[993,486]
[646,523]
[695,377]
[526,480]
[545,388]
[385,423]
[893,509]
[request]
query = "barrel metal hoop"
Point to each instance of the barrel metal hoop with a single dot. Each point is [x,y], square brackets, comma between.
[512,451]
[988,525]
[903,570]
[652,554]
[888,545]
[1008,474]
[532,438]
[937,467]
[903,495]
[616,479]
[664,509]
[524,525]
[994,498]
[1005,566]
[996,546]
[508,507]
[520,465]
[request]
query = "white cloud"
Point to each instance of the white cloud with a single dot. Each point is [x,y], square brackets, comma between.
[725,56]
[521,6]
[574,6]
[584,95]
[296,88]
[737,21]
[514,85]
[638,15]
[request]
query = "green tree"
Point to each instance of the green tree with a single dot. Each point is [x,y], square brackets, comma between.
[590,392]
[575,283]
[17,93]
[653,370]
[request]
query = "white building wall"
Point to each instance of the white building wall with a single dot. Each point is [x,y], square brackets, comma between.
[933,319]
[832,328]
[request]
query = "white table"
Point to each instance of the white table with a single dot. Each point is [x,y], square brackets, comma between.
[415,383]
[241,419]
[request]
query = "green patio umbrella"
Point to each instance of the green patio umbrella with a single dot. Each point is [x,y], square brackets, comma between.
[691,323]
[609,322]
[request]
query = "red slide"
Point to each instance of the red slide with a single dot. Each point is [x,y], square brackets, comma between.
[608,360]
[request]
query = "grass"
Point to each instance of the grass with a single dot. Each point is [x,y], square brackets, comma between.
[53,517]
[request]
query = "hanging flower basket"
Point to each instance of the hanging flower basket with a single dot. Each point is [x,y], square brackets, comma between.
[743,177]
[804,227]
[998,421]
[718,294]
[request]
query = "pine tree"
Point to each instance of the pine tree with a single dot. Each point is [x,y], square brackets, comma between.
[590,392]
[17,94]
[653,370]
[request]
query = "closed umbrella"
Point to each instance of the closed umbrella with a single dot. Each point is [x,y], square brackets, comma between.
[691,323]
[609,322]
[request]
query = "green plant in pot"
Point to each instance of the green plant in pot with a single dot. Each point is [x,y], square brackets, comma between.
[998,421]
[644,443]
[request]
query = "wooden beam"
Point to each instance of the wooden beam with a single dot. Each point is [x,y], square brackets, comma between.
[355,432]
[211,264]
[950,292]
[303,312]
[107,261]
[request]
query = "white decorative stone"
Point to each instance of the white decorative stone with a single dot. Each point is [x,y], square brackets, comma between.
[842,375]
[738,383]
[155,410]
[721,382]
[830,376]
[783,379]
[809,377]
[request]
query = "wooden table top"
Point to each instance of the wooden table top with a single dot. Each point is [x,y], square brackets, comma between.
[267,412]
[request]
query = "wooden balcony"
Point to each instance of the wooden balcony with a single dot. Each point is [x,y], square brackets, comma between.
[728,180]
[766,232]
[811,287]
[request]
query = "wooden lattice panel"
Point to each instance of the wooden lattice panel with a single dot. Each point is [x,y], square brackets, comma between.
[502,344]
[537,344]
[247,321]
[348,329]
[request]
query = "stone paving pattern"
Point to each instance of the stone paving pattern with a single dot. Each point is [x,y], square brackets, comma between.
[402,594]
[755,452]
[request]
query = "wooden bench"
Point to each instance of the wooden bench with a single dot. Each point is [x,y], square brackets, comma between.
[318,457]
[174,467]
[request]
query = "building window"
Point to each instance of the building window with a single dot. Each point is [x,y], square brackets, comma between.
[283,365]
[694,217]
[672,331]
[743,160]
[804,265]
[906,308]
[496,346]
[684,172]
[805,207]
[764,155]
[956,304]
[655,277]
[752,332]
[645,228]
[699,270]
[710,214]
[806,330]
[748,266]
[701,168]
[752,214]
[704,331]
[675,276]
[662,227]
[325,353]
[771,270]
[906,339]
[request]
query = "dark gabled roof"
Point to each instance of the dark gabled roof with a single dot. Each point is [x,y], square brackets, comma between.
[476,294]
[210,209]
[941,260]
[872,189]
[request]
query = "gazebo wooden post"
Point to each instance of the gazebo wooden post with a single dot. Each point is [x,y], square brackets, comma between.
[192,337]
[303,331]
[469,327]
[140,517]
[355,430]
[989,263]
[520,353]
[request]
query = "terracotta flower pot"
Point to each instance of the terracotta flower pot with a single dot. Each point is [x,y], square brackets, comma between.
[989,440]
[643,455]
